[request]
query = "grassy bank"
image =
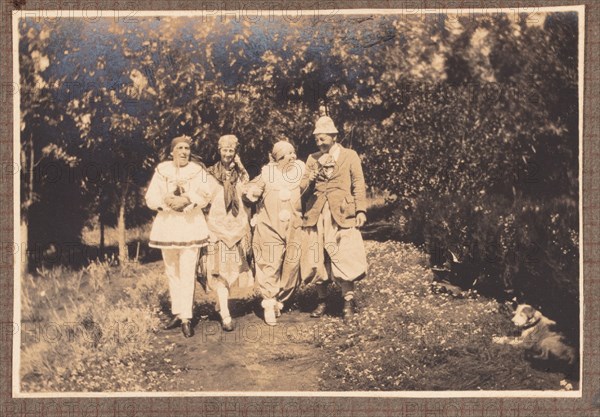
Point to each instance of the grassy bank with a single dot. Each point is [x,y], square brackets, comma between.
[406,337]
[90,330]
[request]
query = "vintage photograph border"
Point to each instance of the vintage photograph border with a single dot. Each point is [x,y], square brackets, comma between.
[588,83]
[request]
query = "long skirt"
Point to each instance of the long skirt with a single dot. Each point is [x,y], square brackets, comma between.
[229,265]
[346,259]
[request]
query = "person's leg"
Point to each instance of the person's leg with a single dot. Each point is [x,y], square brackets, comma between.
[347,290]
[269,249]
[268,255]
[348,296]
[348,265]
[171,261]
[229,263]
[323,274]
[217,282]
[321,297]
[223,304]
[187,271]
[289,281]
[180,265]
[349,262]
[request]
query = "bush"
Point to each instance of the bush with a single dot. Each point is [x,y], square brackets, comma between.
[485,163]
[506,248]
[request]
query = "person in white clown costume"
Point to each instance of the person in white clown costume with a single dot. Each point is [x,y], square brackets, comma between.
[178,191]
[225,263]
[277,228]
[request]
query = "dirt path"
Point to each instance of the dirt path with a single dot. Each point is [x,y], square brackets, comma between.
[254,357]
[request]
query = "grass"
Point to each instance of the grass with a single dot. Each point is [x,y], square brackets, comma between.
[93,334]
[406,337]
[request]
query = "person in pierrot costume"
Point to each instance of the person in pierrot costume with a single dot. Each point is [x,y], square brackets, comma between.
[335,207]
[277,228]
[178,191]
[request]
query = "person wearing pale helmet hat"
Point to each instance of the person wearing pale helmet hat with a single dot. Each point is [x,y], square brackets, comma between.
[334,210]
[325,124]
[178,191]
[225,262]
[277,228]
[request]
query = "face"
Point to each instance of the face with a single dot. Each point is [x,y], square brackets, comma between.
[522,315]
[325,141]
[287,159]
[181,154]
[227,155]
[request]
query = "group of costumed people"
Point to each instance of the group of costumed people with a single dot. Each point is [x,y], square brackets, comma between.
[203,225]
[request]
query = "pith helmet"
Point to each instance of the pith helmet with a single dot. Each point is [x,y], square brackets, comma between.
[325,125]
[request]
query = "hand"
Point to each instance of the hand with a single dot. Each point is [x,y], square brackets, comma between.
[238,162]
[322,175]
[177,203]
[253,193]
[312,175]
[168,200]
[189,207]
[361,219]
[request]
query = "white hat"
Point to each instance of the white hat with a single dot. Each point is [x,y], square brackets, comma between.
[325,125]
[228,141]
[281,148]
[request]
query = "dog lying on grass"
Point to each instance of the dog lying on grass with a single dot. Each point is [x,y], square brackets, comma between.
[540,339]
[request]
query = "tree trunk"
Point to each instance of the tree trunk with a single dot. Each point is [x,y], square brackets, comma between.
[101,218]
[26,163]
[23,245]
[102,213]
[123,251]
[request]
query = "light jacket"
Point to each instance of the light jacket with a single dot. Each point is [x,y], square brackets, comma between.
[345,189]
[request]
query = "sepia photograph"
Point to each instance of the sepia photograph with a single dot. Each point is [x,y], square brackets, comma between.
[298,202]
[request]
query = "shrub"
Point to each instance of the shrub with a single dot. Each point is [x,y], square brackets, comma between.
[506,247]
[485,163]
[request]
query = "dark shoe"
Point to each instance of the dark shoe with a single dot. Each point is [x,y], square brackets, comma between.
[187,329]
[349,308]
[319,311]
[227,325]
[173,323]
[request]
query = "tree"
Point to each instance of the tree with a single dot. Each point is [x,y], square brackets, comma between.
[111,118]
[45,153]
[455,115]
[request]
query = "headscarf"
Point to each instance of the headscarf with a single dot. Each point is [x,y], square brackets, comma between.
[228,141]
[180,139]
[280,149]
